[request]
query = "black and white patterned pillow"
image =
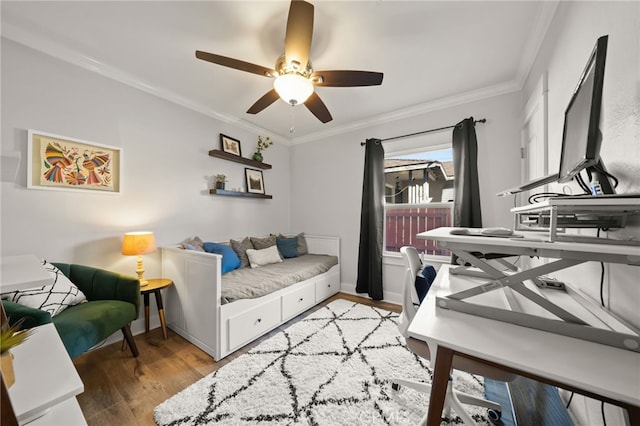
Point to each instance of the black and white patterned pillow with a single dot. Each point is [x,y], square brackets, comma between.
[53,298]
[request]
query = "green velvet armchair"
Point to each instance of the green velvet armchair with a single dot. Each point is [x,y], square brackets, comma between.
[113,301]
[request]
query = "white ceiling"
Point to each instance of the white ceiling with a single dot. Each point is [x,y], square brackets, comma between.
[432,53]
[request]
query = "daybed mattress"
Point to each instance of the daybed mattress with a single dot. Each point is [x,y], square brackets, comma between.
[250,283]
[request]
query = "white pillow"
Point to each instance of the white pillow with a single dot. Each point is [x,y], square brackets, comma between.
[263,257]
[53,298]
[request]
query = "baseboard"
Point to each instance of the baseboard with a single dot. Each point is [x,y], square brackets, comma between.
[389,297]
[137,327]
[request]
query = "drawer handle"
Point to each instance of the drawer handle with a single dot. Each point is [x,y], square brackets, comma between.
[329,285]
[259,320]
[301,299]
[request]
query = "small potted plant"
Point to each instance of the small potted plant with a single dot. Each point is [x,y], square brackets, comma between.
[10,337]
[262,144]
[220,180]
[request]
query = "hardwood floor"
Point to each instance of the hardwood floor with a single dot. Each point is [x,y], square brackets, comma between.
[120,389]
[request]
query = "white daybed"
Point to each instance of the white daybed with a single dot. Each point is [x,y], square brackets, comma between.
[195,311]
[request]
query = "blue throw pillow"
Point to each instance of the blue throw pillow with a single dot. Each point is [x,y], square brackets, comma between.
[230,259]
[288,247]
[424,279]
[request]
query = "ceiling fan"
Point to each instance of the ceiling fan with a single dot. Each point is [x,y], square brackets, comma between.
[294,75]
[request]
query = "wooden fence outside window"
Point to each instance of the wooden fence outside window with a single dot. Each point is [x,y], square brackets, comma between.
[403,223]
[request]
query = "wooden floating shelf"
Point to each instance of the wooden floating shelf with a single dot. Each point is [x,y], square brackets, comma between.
[242,160]
[239,194]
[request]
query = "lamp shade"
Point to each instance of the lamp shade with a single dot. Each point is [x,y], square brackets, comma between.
[293,88]
[137,243]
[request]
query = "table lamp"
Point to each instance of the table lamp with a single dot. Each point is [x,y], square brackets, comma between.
[137,244]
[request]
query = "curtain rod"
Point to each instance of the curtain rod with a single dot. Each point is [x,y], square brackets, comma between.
[482,120]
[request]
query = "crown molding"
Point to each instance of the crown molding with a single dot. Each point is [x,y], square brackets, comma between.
[535,40]
[63,53]
[448,102]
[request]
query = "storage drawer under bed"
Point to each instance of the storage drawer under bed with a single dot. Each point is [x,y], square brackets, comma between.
[250,324]
[298,301]
[327,285]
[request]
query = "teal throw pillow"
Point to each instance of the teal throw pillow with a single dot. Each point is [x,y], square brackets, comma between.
[230,259]
[288,247]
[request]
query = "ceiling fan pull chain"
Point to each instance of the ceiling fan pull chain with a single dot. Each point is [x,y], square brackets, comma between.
[293,119]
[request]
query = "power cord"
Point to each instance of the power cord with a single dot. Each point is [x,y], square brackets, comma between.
[607,174]
[604,419]
[602,284]
[569,401]
[543,196]
[585,187]
[601,276]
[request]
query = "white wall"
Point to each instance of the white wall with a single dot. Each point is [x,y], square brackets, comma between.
[166,170]
[326,176]
[563,54]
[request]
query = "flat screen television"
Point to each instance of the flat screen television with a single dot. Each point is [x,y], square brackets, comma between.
[581,137]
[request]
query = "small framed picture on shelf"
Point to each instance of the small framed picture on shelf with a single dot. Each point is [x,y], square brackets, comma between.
[230,145]
[255,182]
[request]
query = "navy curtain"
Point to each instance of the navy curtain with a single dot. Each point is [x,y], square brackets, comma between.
[466,206]
[371,222]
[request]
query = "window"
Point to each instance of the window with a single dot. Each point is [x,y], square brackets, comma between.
[418,197]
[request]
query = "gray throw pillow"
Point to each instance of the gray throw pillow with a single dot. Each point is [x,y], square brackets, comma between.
[263,243]
[241,247]
[194,243]
[302,244]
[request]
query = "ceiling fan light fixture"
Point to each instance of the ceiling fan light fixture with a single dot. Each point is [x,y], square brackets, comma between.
[294,89]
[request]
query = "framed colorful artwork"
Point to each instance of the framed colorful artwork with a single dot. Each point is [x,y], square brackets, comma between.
[255,182]
[62,163]
[230,145]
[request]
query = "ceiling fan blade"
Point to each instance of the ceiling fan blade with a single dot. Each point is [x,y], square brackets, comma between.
[270,97]
[297,42]
[346,78]
[235,64]
[318,108]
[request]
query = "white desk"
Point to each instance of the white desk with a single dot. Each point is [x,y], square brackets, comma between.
[576,212]
[46,381]
[598,371]
[567,254]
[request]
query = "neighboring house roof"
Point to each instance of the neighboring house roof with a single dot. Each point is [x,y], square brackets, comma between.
[395,162]
[441,170]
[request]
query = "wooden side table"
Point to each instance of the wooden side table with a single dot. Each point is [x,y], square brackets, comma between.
[154,286]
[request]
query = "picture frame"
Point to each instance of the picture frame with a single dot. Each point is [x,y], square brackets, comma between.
[255,181]
[61,163]
[230,145]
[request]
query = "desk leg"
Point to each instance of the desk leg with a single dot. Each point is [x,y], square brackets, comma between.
[146,312]
[441,372]
[163,321]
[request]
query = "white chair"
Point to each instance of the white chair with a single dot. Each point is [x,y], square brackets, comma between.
[453,399]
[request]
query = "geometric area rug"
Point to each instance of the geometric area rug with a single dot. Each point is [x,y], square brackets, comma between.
[334,367]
